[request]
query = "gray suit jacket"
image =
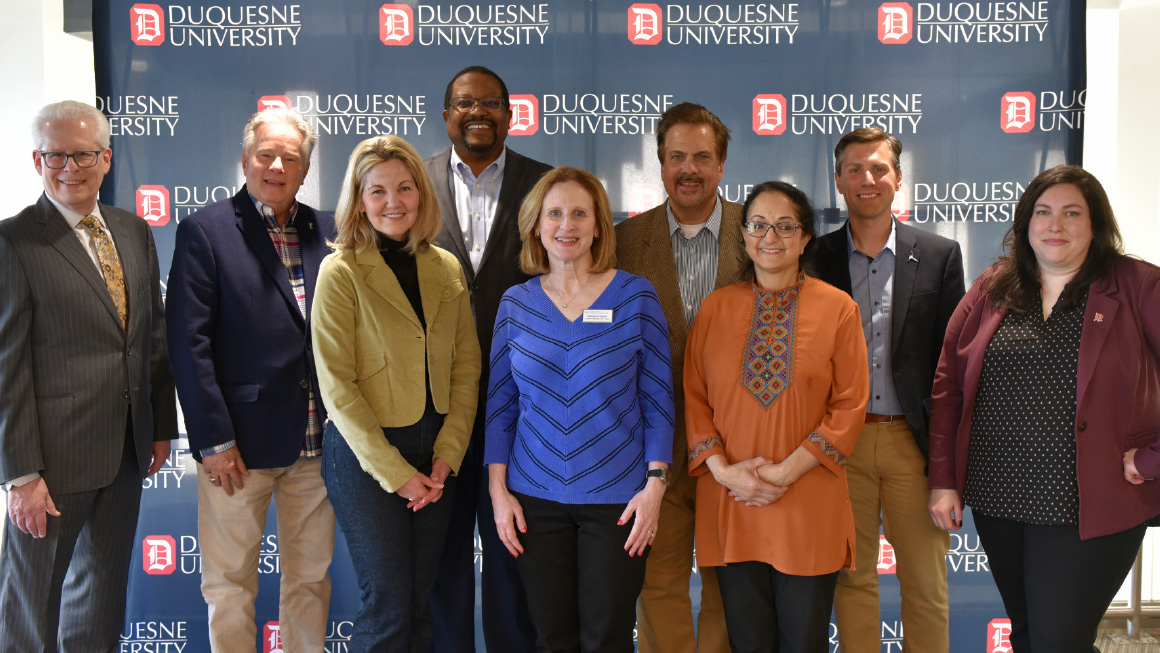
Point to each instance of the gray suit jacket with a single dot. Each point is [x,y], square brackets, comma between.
[644,246]
[70,375]
[499,269]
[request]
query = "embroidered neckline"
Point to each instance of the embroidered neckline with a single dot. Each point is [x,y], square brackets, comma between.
[767,364]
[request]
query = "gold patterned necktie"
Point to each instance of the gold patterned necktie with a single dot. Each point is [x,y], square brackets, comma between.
[110,266]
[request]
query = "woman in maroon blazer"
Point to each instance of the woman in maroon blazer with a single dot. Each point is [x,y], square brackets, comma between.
[1046,414]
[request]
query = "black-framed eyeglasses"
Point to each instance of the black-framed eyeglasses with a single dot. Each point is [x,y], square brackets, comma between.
[58,160]
[467,104]
[782,229]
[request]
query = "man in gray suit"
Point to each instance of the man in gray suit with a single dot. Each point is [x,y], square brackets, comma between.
[86,397]
[480,184]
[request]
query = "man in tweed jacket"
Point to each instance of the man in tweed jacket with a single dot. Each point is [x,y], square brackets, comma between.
[687,247]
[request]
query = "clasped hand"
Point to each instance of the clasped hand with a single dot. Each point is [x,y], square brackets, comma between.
[757,481]
[422,490]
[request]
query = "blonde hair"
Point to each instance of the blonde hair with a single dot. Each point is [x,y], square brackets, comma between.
[353,227]
[533,256]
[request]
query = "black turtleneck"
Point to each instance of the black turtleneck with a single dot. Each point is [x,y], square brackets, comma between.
[402,264]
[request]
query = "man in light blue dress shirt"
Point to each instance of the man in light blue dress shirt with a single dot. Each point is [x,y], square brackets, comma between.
[480,183]
[907,282]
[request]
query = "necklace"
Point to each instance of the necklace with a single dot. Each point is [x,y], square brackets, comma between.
[564,302]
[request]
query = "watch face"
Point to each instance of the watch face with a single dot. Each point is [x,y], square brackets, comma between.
[662,474]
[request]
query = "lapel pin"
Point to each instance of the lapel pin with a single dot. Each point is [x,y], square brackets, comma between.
[1099,317]
[913,258]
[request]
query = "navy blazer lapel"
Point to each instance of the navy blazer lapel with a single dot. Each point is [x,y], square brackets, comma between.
[253,228]
[906,264]
[312,247]
[1098,320]
[64,240]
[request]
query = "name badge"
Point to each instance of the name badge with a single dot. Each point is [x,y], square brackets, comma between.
[598,316]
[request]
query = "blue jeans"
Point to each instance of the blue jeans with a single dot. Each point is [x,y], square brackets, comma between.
[395,551]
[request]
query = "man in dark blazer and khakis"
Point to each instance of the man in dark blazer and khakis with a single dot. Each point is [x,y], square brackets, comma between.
[907,282]
[687,247]
[86,398]
[240,291]
[480,184]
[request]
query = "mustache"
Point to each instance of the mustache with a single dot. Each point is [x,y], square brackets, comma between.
[684,179]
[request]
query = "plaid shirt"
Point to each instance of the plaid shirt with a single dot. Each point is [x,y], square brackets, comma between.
[285,241]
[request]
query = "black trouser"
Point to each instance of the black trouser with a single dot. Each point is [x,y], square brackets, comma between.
[580,582]
[1055,586]
[767,611]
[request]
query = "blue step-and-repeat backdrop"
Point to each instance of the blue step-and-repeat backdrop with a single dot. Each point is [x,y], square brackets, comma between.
[983,94]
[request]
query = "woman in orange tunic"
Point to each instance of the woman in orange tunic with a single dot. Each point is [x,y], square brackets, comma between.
[776,384]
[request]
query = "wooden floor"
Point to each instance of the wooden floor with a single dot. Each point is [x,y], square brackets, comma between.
[1116,641]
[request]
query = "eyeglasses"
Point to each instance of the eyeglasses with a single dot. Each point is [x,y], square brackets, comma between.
[58,160]
[782,229]
[468,104]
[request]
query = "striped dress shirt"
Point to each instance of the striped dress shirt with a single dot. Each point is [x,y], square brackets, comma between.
[696,260]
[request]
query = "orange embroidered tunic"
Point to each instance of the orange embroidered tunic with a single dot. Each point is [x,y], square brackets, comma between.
[765,373]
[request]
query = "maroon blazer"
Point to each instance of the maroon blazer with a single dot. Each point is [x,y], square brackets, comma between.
[1117,395]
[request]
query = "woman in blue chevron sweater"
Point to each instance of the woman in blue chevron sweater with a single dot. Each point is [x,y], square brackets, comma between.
[579,419]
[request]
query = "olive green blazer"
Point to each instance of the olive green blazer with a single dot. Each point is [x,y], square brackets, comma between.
[369,349]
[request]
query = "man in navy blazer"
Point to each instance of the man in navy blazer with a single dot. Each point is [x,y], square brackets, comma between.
[907,283]
[86,397]
[480,184]
[239,295]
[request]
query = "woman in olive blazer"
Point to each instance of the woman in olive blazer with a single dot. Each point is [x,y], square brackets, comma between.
[398,365]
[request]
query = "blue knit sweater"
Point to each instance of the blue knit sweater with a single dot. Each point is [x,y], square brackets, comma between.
[576,410]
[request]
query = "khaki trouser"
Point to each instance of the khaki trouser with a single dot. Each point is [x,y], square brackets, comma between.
[888,487]
[230,532]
